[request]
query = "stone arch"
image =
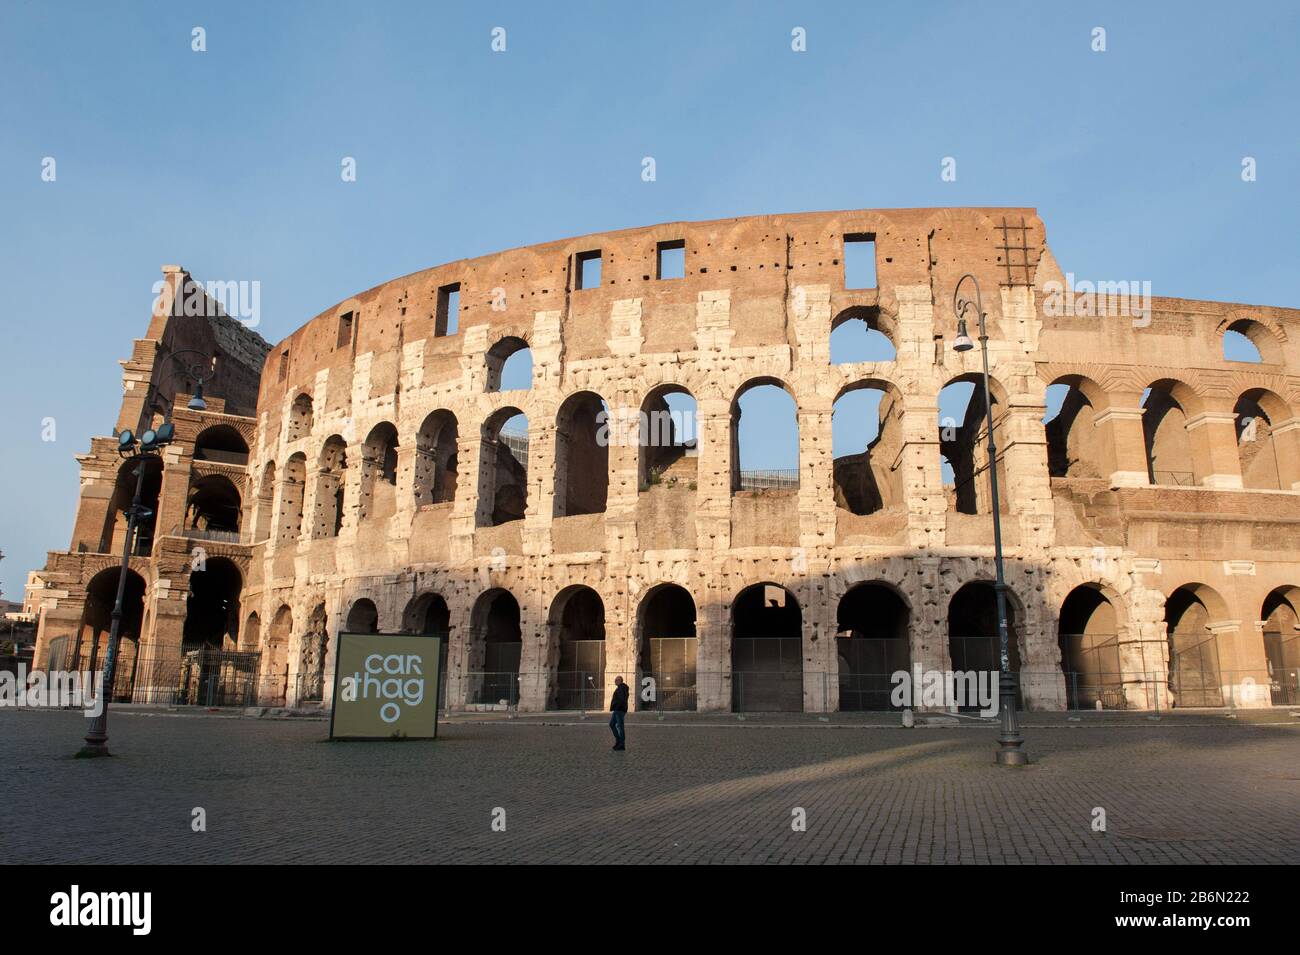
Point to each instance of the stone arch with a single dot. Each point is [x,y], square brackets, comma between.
[95,626]
[436,459]
[581,455]
[1167,404]
[427,614]
[378,497]
[766,650]
[503,469]
[963,441]
[1073,441]
[275,658]
[495,649]
[213,504]
[113,538]
[872,642]
[876,339]
[291,498]
[1193,614]
[1088,634]
[865,481]
[1265,335]
[250,636]
[300,418]
[576,631]
[667,647]
[263,515]
[974,643]
[222,443]
[1269,460]
[331,487]
[1281,616]
[765,479]
[212,607]
[667,437]
[363,617]
[505,351]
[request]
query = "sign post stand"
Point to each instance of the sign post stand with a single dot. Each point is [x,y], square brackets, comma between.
[386,687]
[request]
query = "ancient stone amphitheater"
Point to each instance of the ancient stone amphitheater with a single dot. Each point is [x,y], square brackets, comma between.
[373,473]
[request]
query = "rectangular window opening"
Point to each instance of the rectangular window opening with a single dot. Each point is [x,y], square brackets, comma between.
[671,259]
[587,270]
[448,316]
[345,330]
[284,364]
[860,260]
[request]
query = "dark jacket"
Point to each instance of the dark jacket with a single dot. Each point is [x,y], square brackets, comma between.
[618,704]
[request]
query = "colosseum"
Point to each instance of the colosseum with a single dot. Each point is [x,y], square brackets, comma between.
[395,465]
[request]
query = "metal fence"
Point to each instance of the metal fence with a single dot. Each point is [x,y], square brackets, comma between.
[781,690]
[769,479]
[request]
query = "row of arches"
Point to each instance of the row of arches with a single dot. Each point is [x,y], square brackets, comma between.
[873,642]
[1177,449]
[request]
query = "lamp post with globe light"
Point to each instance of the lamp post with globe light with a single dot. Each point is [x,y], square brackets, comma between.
[148,446]
[1010,742]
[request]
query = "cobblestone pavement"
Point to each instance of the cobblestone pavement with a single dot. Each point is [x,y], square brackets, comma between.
[702,791]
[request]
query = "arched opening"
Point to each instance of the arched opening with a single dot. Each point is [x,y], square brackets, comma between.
[331,483]
[96,624]
[495,647]
[300,418]
[577,630]
[866,442]
[291,495]
[378,473]
[666,648]
[764,438]
[275,658]
[581,455]
[221,443]
[312,653]
[428,615]
[766,651]
[265,504]
[1088,635]
[1072,449]
[974,645]
[436,459]
[668,439]
[212,606]
[510,365]
[1281,616]
[114,536]
[1164,428]
[963,442]
[250,637]
[503,468]
[1247,340]
[1264,464]
[213,506]
[857,336]
[872,643]
[1193,646]
[363,617]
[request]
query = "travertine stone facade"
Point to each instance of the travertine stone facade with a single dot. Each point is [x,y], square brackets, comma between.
[1179,516]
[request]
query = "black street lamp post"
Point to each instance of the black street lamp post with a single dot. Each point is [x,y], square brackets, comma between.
[1010,742]
[141,450]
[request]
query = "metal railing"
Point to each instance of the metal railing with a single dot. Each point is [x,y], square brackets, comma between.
[1176,478]
[792,691]
[769,479]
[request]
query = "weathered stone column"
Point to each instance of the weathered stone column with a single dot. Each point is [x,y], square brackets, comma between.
[1121,441]
[1213,434]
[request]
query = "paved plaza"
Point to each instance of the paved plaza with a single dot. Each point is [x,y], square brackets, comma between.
[690,789]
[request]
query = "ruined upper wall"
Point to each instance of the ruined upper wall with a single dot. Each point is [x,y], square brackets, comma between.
[759,258]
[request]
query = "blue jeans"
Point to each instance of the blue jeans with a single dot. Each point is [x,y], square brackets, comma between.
[616,724]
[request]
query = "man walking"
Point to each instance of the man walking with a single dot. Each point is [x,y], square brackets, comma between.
[617,711]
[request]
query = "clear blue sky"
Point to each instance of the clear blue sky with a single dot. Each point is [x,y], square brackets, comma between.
[228,161]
